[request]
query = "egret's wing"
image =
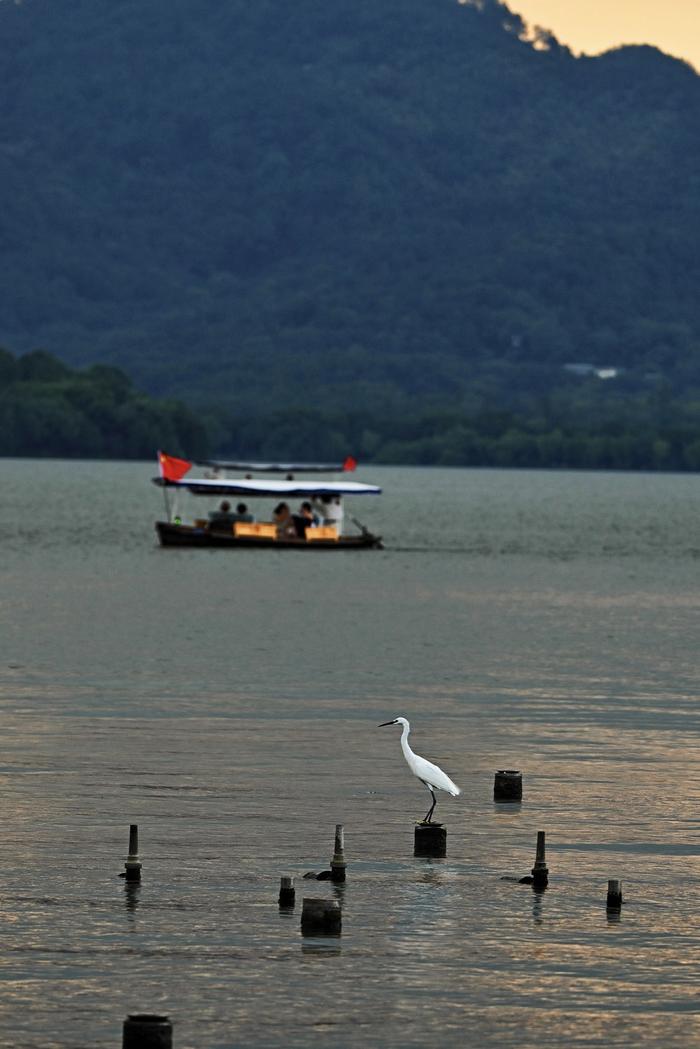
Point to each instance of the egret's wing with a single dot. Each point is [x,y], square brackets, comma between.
[433,775]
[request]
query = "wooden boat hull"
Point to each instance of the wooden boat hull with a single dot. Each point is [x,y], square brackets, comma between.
[190,535]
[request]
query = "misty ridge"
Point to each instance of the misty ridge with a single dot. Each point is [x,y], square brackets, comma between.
[375,223]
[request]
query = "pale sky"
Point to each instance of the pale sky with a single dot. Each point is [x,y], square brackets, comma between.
[593,26]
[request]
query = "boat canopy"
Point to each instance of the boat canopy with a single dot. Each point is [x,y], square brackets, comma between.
[277,468]
[250,487]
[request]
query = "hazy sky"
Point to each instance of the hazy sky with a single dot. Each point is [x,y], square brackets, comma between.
[596,25]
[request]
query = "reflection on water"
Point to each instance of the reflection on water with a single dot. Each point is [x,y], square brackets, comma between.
[432,873]
[538,904]
[228,705]
[132,892]
[323,948]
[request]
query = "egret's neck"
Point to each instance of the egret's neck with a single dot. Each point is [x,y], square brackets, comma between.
[404,741]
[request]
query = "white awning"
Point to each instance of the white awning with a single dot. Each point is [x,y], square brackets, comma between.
[275,489]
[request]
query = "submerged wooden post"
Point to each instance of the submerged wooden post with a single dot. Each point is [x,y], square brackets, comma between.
[540,873]
[147,1031]
[430,839]
[133,864]
[320,917]
[614,900]
[338,864]
[508,785]
[287,893]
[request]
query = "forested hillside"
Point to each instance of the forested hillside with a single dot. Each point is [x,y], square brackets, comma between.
[392,207]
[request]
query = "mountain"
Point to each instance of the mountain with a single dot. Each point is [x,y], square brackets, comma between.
[383,205]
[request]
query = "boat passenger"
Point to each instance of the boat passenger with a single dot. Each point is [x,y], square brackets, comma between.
[338,513]
[311,519]
[282,516]
[331,511]
[319,507]
[243,513]
[222,519]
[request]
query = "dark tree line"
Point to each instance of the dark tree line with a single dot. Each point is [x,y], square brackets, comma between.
[48,409]
[579,429]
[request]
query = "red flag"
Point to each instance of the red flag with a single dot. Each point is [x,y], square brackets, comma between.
[350,463]
[172,469]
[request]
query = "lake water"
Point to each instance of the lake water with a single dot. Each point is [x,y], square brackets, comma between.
[228,703]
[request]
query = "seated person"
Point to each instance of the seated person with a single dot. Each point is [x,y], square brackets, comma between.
[306,511]
[286,528]
[221,520]
[318,505]
[243,514]
[301,523]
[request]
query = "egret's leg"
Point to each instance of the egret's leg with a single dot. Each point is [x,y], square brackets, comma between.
[430,810]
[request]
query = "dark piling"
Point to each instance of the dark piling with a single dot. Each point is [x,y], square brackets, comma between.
[320,917]
[540,873]
[147,1031]
[287,892]
[614,898]
[338,864]
[508,785]
[430,839]
[132,867]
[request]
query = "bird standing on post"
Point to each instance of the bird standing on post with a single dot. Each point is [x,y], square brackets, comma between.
[430,775]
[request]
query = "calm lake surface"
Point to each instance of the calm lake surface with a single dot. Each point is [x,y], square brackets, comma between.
[228,703]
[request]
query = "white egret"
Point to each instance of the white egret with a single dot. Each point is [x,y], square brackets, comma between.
[430,775]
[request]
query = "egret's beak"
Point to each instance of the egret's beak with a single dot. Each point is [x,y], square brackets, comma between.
[386,723]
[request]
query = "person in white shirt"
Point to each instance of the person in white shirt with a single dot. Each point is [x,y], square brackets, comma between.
[332,511]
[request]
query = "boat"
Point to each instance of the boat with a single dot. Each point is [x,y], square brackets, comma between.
[246,534]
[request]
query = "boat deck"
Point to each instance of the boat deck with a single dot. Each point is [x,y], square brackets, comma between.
[194,535]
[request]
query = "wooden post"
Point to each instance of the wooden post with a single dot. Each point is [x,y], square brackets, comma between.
[338,864]
[147,1031]
[287,893]
[508,785]
[133,864]
[430,839]
[614,900]
[320,917]
[540,874]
